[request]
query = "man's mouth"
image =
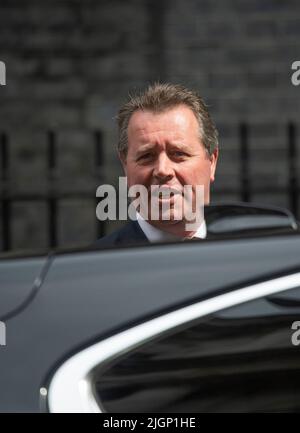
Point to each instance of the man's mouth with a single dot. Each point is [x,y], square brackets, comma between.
[164,192]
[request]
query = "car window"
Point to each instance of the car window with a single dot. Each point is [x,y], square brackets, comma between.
[239,359]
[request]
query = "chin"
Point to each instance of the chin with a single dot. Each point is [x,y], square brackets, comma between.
[171,222]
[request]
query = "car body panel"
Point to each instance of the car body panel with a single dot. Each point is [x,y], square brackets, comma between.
[17,278]
[88,296]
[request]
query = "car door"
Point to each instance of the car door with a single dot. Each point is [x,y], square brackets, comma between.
[236,352]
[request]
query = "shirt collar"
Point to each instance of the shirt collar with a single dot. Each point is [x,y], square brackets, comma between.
[154,234]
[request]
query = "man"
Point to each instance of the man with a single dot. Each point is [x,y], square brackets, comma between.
[167,140]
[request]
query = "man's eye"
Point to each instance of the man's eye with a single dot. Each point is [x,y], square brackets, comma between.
[178,153]
[145,156]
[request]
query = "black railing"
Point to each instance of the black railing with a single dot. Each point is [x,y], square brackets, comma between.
[245,189]
[52,196]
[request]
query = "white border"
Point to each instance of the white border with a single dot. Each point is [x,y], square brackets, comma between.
[70,388]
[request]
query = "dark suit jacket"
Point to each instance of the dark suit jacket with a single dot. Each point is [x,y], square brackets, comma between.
[130,234]
[221,220]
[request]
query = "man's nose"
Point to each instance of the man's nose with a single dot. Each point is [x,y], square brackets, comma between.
[163,169]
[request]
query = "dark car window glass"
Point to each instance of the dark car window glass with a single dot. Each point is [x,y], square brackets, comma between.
[235,360]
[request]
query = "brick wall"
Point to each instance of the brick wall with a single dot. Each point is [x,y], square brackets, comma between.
[71,63]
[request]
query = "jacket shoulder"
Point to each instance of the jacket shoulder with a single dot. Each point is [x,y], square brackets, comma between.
[130,234]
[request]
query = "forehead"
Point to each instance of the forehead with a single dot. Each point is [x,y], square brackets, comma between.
[179,121]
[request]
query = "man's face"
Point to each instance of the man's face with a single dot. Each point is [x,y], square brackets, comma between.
[164,149]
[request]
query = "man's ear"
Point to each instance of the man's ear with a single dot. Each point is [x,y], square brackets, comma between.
[122,158]
[213,164]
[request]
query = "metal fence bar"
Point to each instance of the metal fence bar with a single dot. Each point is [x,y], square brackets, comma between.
[99,153]
[245,189]
[6,202]
[52,198]
[292,164]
